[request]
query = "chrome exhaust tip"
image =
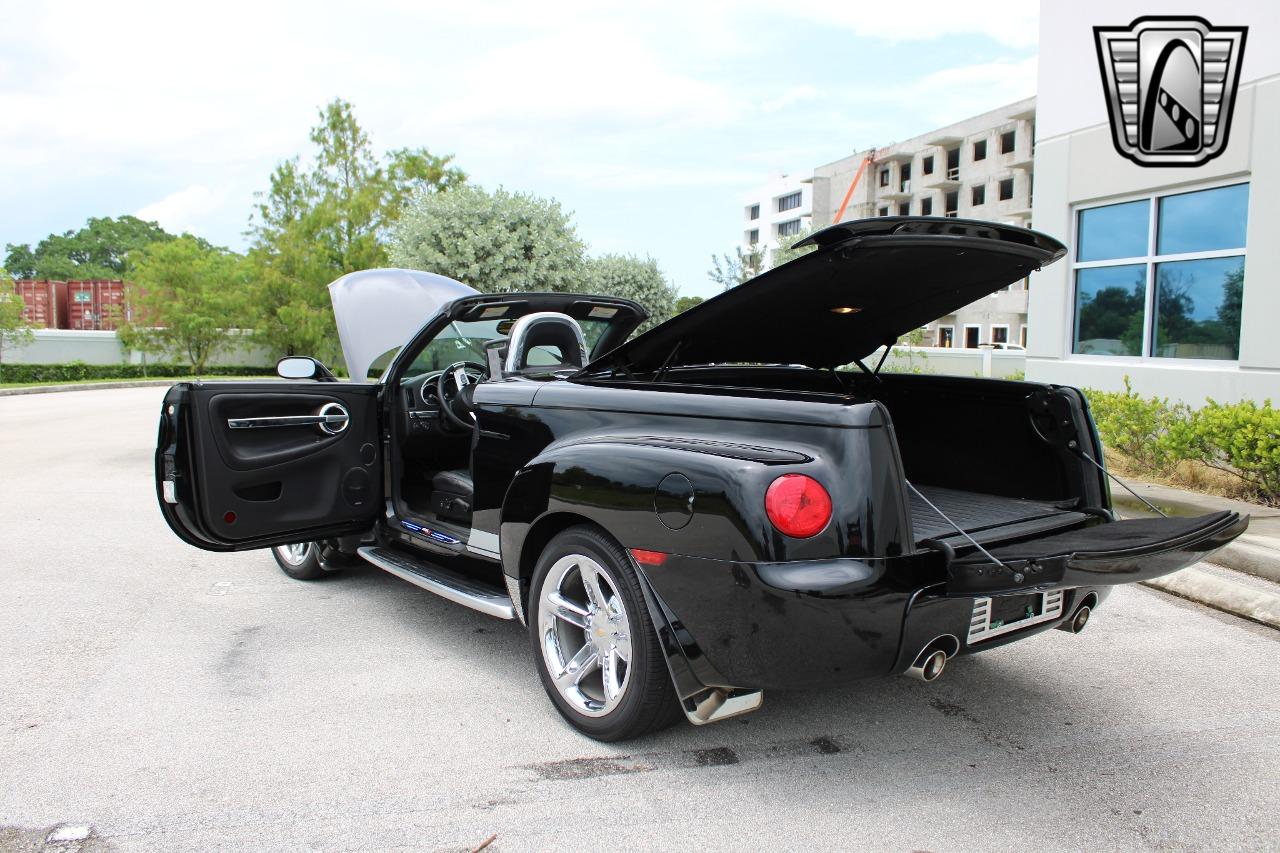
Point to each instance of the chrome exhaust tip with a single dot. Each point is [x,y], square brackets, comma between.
[1079,620]
[929,665]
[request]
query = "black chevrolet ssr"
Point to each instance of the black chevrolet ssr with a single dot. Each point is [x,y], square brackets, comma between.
[732,502]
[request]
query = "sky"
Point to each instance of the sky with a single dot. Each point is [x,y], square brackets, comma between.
[651,121]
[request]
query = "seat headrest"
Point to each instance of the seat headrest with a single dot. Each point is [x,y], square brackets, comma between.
[544,342]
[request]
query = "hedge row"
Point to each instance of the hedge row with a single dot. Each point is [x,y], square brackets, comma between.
[1242,439]
[78,371]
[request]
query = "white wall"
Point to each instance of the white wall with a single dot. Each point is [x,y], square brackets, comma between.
[767,196]
[1070,94]
[60,346]
[1000,364]
[1076,164]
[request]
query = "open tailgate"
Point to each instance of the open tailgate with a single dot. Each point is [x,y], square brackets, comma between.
[1102,555]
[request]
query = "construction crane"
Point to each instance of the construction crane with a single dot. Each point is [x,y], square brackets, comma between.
[857,176]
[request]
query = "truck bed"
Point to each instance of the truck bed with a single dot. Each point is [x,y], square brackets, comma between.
[987,518]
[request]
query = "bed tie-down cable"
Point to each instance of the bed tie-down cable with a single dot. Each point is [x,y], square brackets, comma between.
[992,557]
[1075,447]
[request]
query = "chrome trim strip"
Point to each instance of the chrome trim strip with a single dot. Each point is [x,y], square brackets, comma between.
[513,590]
[484,543]
[489,605]
[332,423]
[980,623]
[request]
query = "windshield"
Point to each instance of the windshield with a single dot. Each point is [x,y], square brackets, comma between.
[464,340]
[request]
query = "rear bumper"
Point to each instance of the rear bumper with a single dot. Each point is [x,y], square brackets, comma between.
[812,624]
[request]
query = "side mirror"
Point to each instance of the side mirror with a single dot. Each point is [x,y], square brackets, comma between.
[303,367]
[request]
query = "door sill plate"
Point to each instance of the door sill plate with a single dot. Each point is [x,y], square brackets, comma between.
[459,589]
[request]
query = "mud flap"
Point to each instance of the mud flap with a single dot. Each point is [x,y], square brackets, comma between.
[1102,555]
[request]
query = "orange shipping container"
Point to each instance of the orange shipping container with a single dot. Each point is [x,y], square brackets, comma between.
[44,302]
[96,305]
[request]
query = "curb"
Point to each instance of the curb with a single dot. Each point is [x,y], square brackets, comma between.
[1255,556]
[1221,594]
[85,386]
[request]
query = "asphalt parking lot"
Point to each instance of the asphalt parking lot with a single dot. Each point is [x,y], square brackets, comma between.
[165,698]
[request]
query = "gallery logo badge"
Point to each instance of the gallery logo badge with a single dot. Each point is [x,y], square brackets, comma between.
[1171,86]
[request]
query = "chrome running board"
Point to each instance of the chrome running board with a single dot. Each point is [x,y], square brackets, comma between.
[477,595]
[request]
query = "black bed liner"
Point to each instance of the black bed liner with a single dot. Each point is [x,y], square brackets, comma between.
[986,518]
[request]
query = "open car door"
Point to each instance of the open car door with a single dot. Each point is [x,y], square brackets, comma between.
[243,465]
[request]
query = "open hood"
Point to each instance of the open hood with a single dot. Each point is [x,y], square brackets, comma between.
[870,282]
[377,311]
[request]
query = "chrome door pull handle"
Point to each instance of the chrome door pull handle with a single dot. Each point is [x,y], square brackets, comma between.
[331,420]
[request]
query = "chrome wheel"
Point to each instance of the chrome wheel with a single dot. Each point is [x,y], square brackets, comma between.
[296,553]
[585,635]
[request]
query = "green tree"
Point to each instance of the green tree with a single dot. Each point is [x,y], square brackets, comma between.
[732,270]
[496,242]
[98,250]
[684,303]
[14,331]
[187,297]
[629,277]
[323,219]
[787,250]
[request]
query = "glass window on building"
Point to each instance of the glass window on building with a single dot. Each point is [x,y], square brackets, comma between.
[1162,277]
[753,236]
[753,212]
[790,201]
[789,228]
[926,207]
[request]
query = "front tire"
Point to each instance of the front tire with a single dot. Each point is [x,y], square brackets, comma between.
[594,643]
[300,560]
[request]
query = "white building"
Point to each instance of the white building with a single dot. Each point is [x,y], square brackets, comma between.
[781,208]
[979,168]
[1173,273]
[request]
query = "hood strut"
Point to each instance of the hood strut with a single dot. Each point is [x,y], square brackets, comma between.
[875,374]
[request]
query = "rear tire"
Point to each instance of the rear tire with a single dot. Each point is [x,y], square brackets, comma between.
[300,561]
[593,642]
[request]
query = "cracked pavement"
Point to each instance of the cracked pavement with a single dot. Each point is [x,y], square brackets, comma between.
[172,699]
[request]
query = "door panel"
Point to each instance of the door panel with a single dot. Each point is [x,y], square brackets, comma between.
[253,464]
[1103,555]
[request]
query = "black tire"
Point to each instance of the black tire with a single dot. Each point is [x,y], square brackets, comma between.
[304,567]
[648,701]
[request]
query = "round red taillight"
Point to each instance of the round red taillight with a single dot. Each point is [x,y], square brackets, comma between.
[797,505]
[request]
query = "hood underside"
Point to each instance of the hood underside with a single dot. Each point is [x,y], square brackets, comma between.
[870,282]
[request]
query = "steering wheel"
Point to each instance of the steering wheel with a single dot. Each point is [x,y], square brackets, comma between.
[454,405]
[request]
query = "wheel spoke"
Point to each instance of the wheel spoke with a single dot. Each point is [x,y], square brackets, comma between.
[591,582]
[622,644]
[570,611]
[583,662]
[609,673]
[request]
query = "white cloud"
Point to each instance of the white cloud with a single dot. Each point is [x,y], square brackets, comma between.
[185,209]
[956,93]
[1014,23]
